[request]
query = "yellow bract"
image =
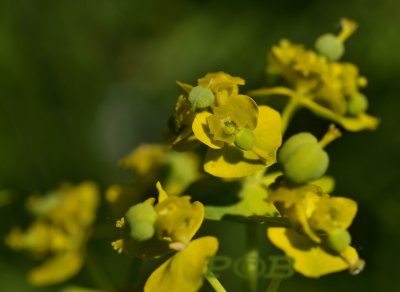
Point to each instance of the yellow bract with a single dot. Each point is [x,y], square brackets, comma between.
[176,223]
[231,162]
[311,259]
[313,216]
[184,271]
[327,88]
[60,232]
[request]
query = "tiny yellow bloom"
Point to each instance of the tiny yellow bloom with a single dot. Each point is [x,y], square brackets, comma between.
[118,245]
[120,223]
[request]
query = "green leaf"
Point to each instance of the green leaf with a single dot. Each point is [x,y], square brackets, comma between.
[253,203]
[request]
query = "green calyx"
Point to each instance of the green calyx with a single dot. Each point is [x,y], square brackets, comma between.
[201,97]
[245,139]
[330,46]
[303,159]
[358,103]
[338,240]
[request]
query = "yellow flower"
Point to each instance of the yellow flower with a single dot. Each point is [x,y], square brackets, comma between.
[221,133]
[149,161]
[328,88]
[317,238]
[176,221]
[220,84]
[59,233]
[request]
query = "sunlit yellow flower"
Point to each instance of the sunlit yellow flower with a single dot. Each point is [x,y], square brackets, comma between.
[329,89]
[317,239]
[230,153]
[220,84]
[176,221]
[59,232]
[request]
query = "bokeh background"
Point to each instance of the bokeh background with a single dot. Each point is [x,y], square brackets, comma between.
[84,82]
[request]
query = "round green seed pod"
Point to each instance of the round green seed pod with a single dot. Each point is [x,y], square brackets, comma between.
[329,46]
[357,104]
[303,159]
[201,97]
[245,139]
[142,230]
[338,240]
[141,212]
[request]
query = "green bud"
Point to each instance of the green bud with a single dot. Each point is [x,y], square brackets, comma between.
[303,159]
[201,97]
[329,46]
[357,104]
[338,240]
[245,139]
[142,230]
[141,212]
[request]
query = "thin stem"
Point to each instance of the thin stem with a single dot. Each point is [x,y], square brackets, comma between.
[274,285]
[262,92]
[252,255]
[288,112]
[214,282]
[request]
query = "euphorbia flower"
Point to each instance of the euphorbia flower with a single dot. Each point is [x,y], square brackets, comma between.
[317,239]
[59,232]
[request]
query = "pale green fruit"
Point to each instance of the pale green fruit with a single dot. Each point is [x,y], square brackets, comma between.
[357,104]
[245,139]
[303,159]
[338,240]
[141,212]
[329,46]
[142,230]
[201,97]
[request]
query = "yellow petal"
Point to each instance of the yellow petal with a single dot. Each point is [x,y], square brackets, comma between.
[202,132]
[326,183]
[309,258]
[268,133]
[184,271]
[56,269]
[162,195]
[332,213]
[178,219]
[230,162]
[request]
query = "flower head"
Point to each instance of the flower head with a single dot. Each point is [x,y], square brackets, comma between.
[317,238]
[59,232]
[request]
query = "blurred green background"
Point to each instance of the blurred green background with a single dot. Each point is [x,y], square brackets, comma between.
[84,82]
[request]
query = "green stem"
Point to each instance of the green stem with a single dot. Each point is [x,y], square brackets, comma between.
[274,285]
[214,282]
[252,257]
[289,111]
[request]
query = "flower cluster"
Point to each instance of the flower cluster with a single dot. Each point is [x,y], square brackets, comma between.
[242,137]
[236,141]
[59,232]
[166,227]
[316,81]
[317,238]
